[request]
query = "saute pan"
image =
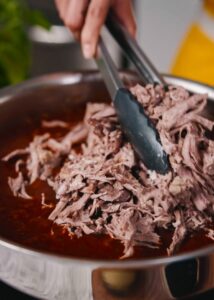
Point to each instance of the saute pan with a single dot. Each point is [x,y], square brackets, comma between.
[49,276]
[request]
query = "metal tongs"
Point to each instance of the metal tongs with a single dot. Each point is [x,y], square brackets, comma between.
[136,125]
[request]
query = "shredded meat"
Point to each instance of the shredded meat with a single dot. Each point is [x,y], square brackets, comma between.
[18,185]
[54,123]
[105,189]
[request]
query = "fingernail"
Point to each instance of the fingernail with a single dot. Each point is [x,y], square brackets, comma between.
[87,51]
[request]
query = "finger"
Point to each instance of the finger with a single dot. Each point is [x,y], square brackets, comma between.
[95,18]
[75,15]
[62,7]
[123,10]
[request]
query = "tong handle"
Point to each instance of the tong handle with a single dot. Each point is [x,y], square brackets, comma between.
[109,70]
[134,52]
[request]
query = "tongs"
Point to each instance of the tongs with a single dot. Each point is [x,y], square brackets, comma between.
[134,122]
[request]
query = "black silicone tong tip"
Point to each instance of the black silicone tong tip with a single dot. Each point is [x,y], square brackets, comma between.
[140,131]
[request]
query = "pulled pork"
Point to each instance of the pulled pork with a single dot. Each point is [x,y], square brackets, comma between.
[105,189]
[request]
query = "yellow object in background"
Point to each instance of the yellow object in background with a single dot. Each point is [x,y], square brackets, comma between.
[195,59]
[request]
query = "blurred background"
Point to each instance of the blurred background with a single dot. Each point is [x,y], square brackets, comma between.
[33,40]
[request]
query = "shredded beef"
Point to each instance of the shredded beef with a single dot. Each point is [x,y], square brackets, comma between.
[105,189]
[54,123]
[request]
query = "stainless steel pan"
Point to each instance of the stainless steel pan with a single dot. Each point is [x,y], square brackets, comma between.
[50,276]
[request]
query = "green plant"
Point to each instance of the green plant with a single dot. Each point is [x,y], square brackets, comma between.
[15,17]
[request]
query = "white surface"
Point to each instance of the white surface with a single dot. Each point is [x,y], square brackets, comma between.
[162,24]
[206,23]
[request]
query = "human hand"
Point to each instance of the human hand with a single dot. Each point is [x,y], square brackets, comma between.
[85,19]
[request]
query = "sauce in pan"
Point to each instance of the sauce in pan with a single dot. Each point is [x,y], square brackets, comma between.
[26,221]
